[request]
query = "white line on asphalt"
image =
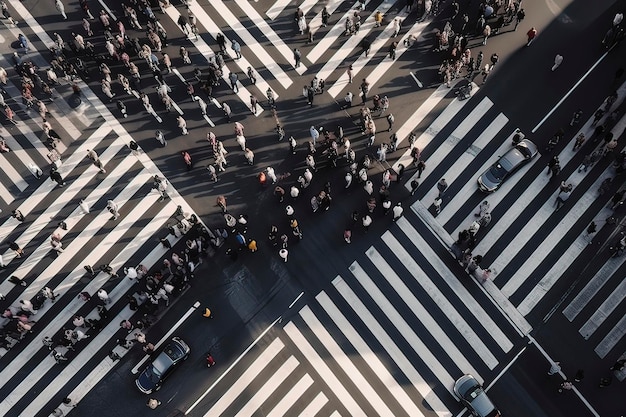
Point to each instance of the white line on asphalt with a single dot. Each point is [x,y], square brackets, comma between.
[314,406]
[165,337]
[419,83]
[276,343]
[572,89]
[291,397]
[276,9]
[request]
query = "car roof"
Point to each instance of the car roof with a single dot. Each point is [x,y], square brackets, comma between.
[471,390]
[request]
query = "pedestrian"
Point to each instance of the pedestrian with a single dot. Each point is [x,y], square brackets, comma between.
[397,211]
[283,253]
[187,160]
[531,34]
[84,207]
[437,205]
[366,221]
[580,139]
[292,145]
[16,214]
[519,16]
[55,176]
[442,186]
[558,60]
[555,367]
[232,77]
[209,360]
[60,8]
[494,59]
[237,48]
[227,111]
[396,26]
[55,242]
[103,296]
[271,174]
[551,163]
[580,374]
[605,382]
[591,229]
[113,209]
[202,104]
[93,156]
[562,197]
[390,121]
[249,155]
[253,104]
[182,125]
[482,209]
[297,56]
[566,385]
[486,34]
[392,50]
[315,134]
[414,185]
[153,403]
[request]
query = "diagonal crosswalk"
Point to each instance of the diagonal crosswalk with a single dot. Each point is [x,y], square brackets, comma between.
[393,332]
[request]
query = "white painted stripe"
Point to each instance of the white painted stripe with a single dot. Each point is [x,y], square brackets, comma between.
[333,34]
[453,282]
[414,120]
[96,342]
[272,383]
[314,406]
[316,22]
[271,36]
[35,227]
[569,219]
[322,369]
[462,162]
[422,314]
[75,246]
[335,414]
[392,349]
[5,194]
[256,48]
[177,73]
[292,396]
[612,338]
[14,176]
[593,287]
[344,362]
[306,5]
[446,307]
[604,311]
[208,120]
[204,49]
[370,358]
[67,313]
[62,111]
[354,41]
[362,61]
[436,126]
[277,8]
[17,149]
[230,396]
[509,311]
[453,140]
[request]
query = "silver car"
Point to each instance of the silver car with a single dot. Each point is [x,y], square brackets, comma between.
[469,391]
[490,180]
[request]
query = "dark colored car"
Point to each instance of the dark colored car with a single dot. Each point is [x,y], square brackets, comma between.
[174,352]
[490,180]
[473,396]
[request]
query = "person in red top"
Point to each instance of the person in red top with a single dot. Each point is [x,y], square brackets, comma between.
[532,34]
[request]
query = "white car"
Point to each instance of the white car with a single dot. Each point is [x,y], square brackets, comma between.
[469,391]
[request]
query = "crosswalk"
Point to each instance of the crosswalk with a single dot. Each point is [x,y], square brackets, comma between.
[390,335]
[31,379]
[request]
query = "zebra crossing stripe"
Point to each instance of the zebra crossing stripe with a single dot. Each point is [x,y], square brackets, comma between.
[352,42]
[271,36]
[291,397]
[270,385]
[334,33]
[66,314]
[443,303]
[592,288]
[251,372]
[277,8]
[344,362]
[612,338]
[544,248]
[323,370]
[17,149]
[314,406]
[5,194]
[98,342]
[463,161]
[371,358]
[604,311]
[316,22]
[396,354]
[459,290]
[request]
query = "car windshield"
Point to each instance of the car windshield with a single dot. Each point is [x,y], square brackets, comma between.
[523,149]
